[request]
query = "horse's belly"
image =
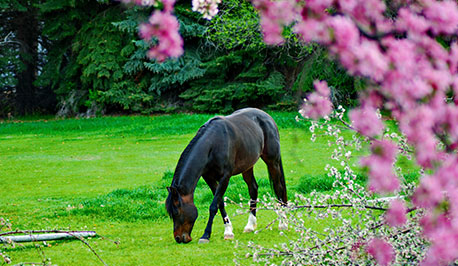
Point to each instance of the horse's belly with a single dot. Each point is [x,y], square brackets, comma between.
[244,163]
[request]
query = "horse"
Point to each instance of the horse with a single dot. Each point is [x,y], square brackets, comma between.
[223,147]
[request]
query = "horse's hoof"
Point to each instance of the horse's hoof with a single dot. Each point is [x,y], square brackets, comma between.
[229,237]
[204,241]
[248,230]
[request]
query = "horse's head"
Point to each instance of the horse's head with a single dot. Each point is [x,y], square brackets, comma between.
[183,212]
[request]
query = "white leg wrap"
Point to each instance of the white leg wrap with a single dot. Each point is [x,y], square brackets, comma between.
[251,225]
[228,234]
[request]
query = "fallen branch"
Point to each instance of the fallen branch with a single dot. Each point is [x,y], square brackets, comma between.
[46,237]
[39,235]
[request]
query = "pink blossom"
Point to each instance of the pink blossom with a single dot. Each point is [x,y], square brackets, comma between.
[318,103]
[366,121]
[443,16]
[402,55]
[417,124]
[381,177]
[347,6]
[380,164]
[364,11]
[385,150]
[396,214]
[168,5]
[408,21]
[428,194]
[447,175]
[444,249]
[318,6]
[274,16]
[439,79]
[345,33]
[272,32]
[443,236]
[453,58]
[312,30]
[146,31]
[381,251]
[371,61]
[455,88]
[321,87]
[164,26]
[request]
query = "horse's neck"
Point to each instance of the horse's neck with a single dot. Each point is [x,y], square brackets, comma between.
[192,167]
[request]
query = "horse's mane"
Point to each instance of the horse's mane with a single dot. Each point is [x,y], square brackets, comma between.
[170,207]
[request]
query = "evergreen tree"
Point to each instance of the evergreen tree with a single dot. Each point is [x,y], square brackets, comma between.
[19,20]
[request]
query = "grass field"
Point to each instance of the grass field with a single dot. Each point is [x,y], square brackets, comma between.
[109,175]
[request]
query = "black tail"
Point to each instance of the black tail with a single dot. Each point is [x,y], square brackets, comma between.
[277,180]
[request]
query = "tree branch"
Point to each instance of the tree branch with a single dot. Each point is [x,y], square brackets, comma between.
[74,234]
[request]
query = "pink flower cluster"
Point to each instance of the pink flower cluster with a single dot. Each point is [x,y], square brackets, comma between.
[381,251]
[366,121]
[415,76]
[440,228]
[274,16]
[208,8]
[318,103]
[396,214]
[380,165]
[164,26]
[443,235]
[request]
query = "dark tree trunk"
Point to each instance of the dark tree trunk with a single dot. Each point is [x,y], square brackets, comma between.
[26,28]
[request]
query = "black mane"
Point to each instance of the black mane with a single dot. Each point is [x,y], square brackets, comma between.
[184,156]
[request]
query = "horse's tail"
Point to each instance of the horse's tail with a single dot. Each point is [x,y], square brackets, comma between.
[271,152]
[280,184]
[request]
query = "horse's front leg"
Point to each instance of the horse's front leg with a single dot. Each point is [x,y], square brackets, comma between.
[211,182]
[217,201]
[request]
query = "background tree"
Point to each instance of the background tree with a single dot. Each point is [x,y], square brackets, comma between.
[19,20]
[89,60]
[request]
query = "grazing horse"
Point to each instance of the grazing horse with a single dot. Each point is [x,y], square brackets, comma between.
[223,147]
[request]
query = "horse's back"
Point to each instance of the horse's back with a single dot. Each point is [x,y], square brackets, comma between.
[264,124]
[261,118]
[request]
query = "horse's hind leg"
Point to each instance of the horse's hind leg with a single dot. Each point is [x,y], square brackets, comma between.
[253,190]
[228,234]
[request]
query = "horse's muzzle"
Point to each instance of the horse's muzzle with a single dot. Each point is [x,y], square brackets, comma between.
[184,238]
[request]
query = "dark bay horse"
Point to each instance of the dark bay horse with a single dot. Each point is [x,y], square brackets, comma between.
[223,147]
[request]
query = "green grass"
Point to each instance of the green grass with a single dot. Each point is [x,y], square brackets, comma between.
[109,174]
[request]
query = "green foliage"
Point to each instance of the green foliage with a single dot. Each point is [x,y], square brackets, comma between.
[95,62]
[322,183]
[320,66]
[174,72]
[233,81]
[236,26]
[98,45]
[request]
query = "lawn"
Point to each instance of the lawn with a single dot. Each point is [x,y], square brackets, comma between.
[109,175]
